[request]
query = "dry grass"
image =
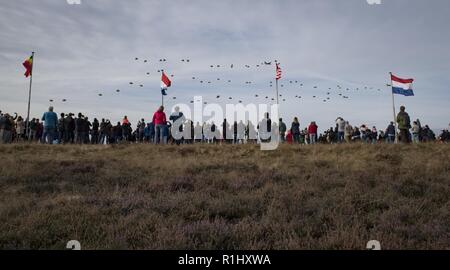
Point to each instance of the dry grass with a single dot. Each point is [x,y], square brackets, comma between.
[225,197]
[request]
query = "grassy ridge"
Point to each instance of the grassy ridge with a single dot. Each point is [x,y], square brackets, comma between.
[225,197]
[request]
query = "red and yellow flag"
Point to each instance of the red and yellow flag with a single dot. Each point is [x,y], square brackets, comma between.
[28,64]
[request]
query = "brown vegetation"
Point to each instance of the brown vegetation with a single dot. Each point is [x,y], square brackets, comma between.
[225,197]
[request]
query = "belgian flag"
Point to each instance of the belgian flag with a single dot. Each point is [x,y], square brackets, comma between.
[28,64]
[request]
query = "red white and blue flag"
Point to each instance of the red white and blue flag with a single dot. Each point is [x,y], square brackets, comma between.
[402,86]
[278,72]
[165,84]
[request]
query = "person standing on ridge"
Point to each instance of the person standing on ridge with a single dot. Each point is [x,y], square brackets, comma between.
[160,121]
[50,119]
[404,124]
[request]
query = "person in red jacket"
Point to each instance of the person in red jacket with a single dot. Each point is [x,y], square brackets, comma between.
[312,132]
[160,123]
[125,120]
[289,137]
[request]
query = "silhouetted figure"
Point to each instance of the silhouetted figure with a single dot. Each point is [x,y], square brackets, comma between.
[95,131]
[295,130]
[404,124]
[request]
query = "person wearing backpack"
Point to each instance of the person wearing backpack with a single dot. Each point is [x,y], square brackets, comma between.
[404,124]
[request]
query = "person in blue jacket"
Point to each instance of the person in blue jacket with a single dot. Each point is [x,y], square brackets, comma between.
[149,132]
[50,119]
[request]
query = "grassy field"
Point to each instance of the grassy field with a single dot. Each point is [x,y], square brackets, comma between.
[225,197]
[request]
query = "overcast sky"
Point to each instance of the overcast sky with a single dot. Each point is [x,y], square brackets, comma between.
[88,49]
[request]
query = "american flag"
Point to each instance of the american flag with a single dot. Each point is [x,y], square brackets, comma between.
[278,75]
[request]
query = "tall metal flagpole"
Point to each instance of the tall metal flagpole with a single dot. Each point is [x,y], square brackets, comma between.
[278,107]
[278,95]
[29,96]
[278,102]
[393,110]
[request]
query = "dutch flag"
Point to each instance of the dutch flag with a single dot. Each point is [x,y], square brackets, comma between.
[165,83]
[402,86]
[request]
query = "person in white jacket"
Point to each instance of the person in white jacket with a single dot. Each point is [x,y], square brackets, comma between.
[415,130]
[341,129]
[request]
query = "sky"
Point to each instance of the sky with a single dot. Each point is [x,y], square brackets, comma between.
[90,49]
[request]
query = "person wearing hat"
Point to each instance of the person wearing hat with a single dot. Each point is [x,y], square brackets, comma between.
[50,119]
[404,124]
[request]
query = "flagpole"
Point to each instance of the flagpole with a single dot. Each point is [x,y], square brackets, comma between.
[278,110]
[29,97]
[393,110]
[278,102]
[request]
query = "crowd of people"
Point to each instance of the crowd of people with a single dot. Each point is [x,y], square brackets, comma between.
[71,129]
